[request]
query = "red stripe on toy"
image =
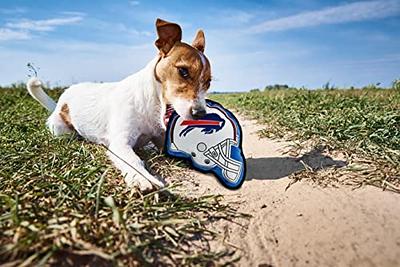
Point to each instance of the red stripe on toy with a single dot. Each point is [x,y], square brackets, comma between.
[199,122]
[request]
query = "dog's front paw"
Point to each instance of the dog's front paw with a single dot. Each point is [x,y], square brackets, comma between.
[144,184]
[140,182]
[157,181]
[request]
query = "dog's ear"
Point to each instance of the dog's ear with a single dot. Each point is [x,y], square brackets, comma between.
[168,34]
[199,41]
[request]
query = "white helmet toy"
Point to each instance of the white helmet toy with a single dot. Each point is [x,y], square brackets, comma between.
[212,144]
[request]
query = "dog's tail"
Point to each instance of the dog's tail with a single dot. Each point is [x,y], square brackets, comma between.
[35,89]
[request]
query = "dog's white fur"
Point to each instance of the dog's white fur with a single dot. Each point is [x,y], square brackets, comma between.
[114,114]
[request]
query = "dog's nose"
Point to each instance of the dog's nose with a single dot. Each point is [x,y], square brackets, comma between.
[198,113]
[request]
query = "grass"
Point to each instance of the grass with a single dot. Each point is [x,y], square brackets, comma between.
[62,204]
[364,124]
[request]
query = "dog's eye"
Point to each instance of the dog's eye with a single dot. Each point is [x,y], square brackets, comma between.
[183,72]
[208,83]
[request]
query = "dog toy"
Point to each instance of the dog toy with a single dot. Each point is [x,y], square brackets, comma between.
[212,144]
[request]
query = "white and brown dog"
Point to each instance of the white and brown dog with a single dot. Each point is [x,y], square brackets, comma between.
[130,113]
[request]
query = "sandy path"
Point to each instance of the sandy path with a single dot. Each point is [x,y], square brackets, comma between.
[306,225]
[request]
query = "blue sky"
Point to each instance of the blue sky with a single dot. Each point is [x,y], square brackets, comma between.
[250,43]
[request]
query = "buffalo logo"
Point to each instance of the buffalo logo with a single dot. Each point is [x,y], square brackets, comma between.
[209,124]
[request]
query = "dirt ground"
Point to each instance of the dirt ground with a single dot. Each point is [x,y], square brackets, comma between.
[306,225]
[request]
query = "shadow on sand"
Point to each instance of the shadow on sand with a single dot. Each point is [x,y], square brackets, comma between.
[279,167]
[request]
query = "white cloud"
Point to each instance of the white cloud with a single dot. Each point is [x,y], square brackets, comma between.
[234,17]
[74,13]
[43,25]
[8,34]
[134,3]
[125,29]
[23,29]
[358,11]
[110,27]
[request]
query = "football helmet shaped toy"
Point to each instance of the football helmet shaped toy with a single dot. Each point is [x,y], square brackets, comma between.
[212,144]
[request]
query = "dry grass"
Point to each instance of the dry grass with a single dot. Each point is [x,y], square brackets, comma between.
[362,124]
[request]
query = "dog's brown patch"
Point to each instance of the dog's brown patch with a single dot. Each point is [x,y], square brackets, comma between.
[182,69]
[175,55]
[199,41]
[183,55]
[64,114]
[168,34]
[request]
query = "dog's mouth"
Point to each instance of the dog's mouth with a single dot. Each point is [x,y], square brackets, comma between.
[169,109]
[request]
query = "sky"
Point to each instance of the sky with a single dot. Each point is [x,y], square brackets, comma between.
[250,44]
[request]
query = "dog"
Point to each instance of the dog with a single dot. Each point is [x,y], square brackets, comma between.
[130,113]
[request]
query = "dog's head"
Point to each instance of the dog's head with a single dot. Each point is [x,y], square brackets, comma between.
[183,70]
